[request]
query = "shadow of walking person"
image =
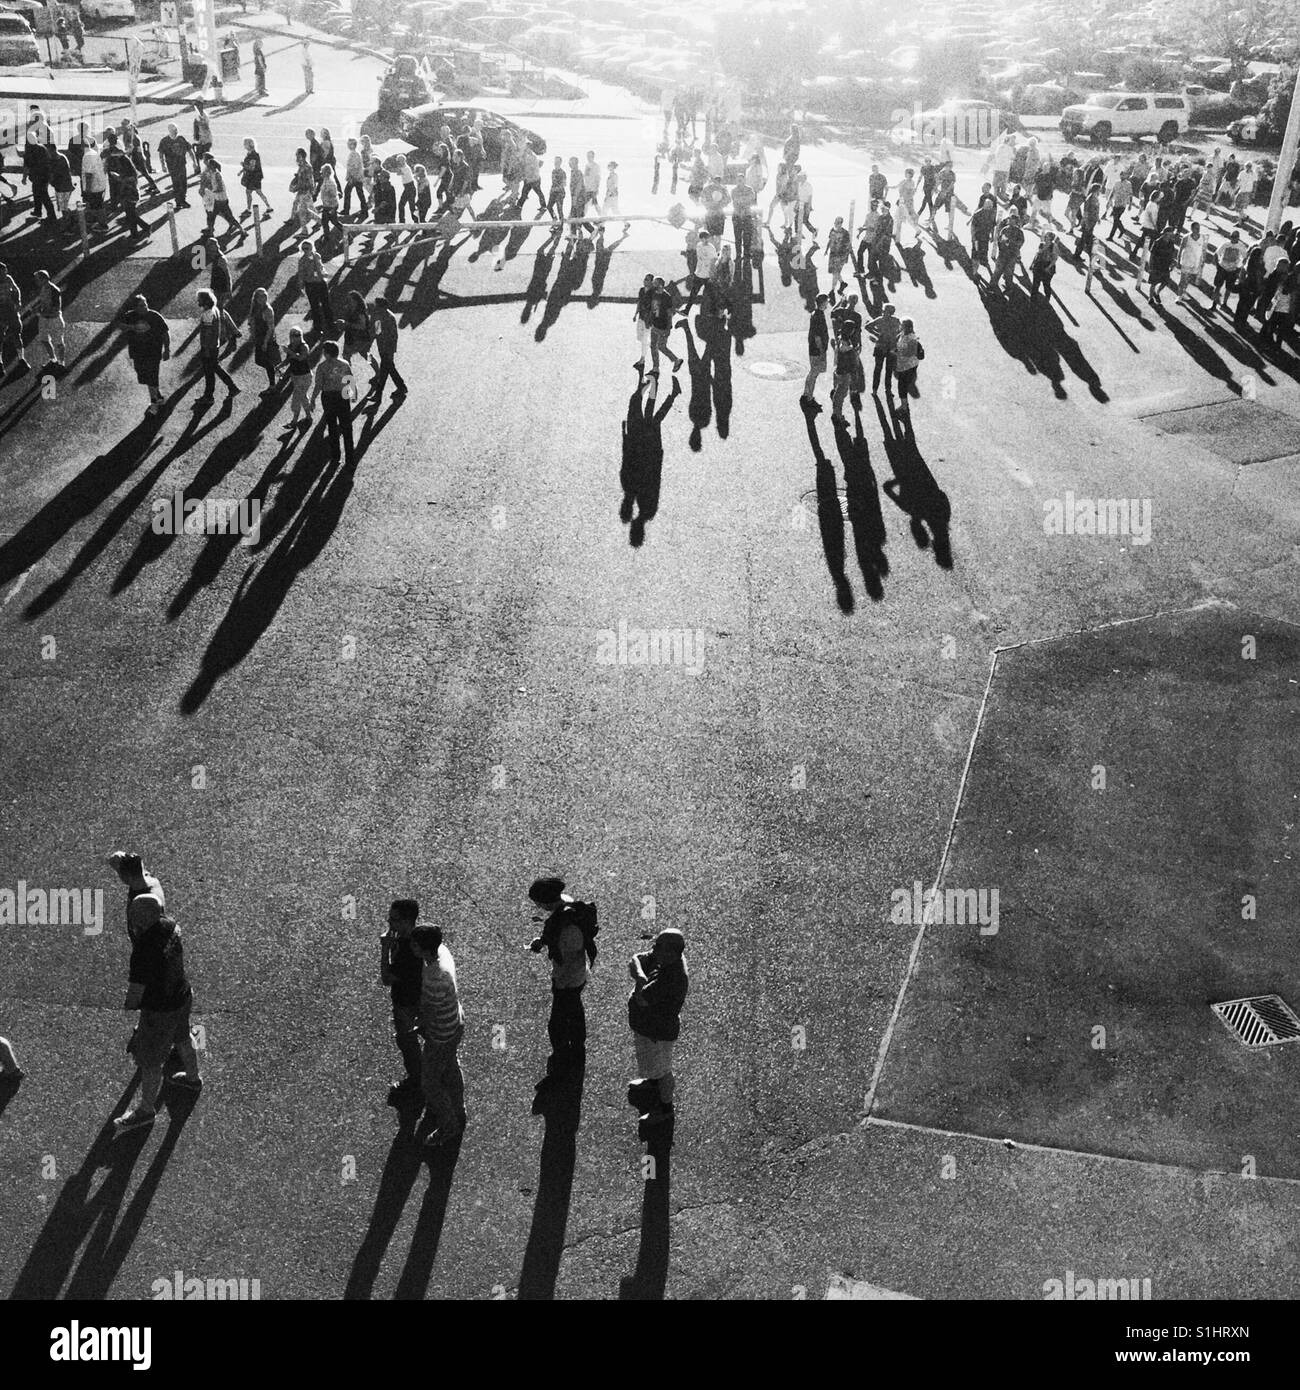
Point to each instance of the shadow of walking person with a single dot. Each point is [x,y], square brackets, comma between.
[830,515]
[413,1282]
[643,460]
[400,1171]
[913,488]
[82,1218]
[568,281]
[700,406]
[862,504]
[560,1102]
[649,1280]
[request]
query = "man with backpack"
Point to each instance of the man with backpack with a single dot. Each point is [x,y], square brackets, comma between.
[568,937]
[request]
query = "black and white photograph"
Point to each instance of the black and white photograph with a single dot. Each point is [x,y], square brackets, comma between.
[650,652]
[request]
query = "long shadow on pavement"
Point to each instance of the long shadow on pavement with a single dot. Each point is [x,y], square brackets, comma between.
[913,487]
[830,516]
[862,503]
[559,1100]
[413,1282]
[641,469]
[81,1218]
[649,1280]
[401,1168]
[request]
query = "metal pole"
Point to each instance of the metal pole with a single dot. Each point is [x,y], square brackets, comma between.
[171,227]
[257,227]
[852,208]
[347,245]
[1285,162]
[85,236]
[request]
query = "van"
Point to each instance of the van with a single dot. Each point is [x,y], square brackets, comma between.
[1166,115]
[17,42]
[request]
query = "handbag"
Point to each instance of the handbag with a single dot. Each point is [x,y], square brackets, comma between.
[920,351]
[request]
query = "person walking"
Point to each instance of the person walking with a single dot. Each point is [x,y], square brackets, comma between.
[661,322]
[1010,238]
[148,345]
[1089,214]
[904,211]
[1119,200]
[982,222]
[819,338]
[442,1025]
[1164,253]
[160,989]
[220,280]
[261,328]
[1280,316]
[311,276]
[259,68]
[61,185]
[134,877]
[129,192]
[1191,260]
[358,331]
[297,356]
[329,195]
[531,170]
[406,202]
[706,258]
[1043,267]
[354,175]
[1228,262]
[335,390]
[250,176]
[94,186]
[567,936]
[49,318]
[907,359]
[401,972]
[11,323]
[175,150]
[641,319]
[559,183]
[202,133]
[385,326]
[659,986]
[886,329]
[308,69]
[217,200]
[1244,193]
[929,179]
[216,331]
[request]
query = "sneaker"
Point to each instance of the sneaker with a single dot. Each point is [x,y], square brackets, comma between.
[133,1119]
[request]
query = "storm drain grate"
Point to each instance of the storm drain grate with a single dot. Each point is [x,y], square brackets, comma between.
[1259,1022]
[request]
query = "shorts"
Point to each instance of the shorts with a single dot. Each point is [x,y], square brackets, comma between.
[659,338]
[1241,201]
[654,1059]
[146,371]
[157,1031]
[642,332]
[816,361]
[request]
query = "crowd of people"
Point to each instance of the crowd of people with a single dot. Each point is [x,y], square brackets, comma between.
[417,968]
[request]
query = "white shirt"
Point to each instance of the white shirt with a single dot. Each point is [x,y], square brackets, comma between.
[706,257]
[1192,254]
[1272,254]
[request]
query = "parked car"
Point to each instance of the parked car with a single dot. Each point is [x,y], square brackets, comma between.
[1250,130]
[17,42]
[964,121]
[1166,115]
[1048,99]
[420,126]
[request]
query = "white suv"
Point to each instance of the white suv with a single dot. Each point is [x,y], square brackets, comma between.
[1166,115]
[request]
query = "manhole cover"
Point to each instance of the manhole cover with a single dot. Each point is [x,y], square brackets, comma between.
[775,371]
[1239,431]
[813,499]
[1259,1022]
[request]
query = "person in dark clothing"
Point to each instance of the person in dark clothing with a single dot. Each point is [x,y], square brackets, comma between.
[129,192]
[160,990]
[744,202]
[568,927]
[982,222]
[819,341]
[385,326]
[1164,253]
[929,177]
[402,971]
[1250,284]
[175,151]
[36,161]
[148,344]
[659,986]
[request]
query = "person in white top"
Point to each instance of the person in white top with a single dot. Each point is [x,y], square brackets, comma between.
[442,1023]
[1245,193]
[1191,259]
[706,257]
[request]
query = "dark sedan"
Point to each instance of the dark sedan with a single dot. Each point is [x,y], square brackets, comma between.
[420,125]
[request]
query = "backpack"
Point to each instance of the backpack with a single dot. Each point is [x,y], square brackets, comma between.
[579,914]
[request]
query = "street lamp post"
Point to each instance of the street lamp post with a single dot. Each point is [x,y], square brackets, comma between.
[1286,161]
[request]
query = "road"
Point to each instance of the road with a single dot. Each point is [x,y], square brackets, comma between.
[399,690]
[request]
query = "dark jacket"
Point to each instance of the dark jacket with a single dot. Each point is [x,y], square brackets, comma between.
[158,963]
[655,1014]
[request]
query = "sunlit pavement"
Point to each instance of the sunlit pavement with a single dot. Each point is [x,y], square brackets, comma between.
[397,688]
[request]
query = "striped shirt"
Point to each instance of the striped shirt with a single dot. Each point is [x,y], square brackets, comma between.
[440,1011]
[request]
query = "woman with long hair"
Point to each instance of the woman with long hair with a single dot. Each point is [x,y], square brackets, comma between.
[250,175]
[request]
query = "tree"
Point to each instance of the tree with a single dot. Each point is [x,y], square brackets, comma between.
[1075,40]
[770,52]
[1240,29]
[1276,110]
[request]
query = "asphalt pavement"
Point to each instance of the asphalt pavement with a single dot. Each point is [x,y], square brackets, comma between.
[893,672]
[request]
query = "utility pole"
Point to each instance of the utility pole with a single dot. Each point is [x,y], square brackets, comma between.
[1286,161]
